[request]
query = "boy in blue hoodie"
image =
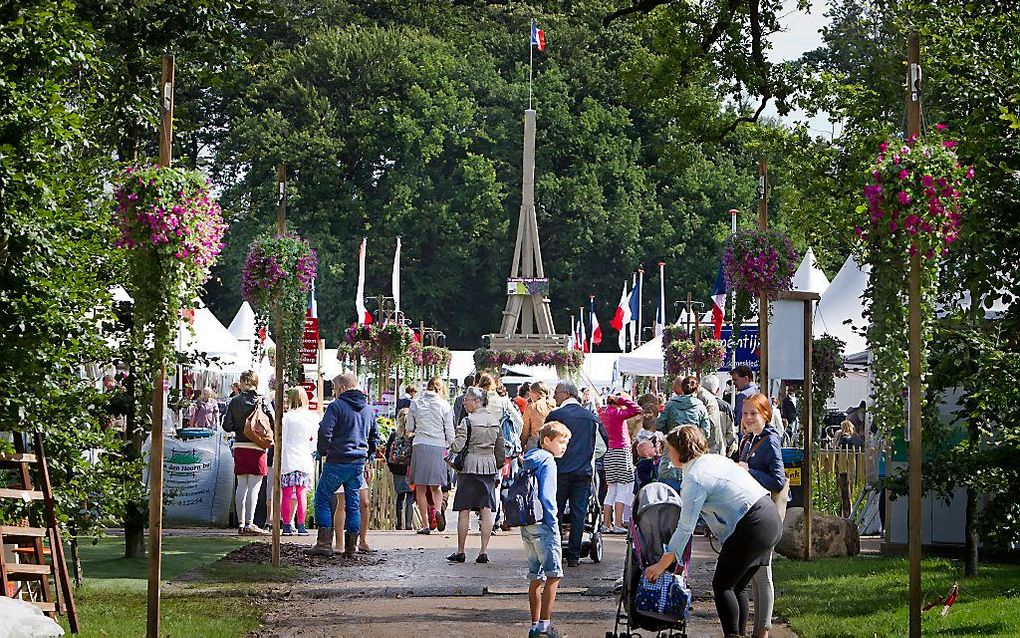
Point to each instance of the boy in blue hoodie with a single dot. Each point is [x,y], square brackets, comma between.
[542,540]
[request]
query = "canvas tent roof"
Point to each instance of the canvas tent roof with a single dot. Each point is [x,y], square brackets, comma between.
[809,277]
[207,335]
[841,302]
[644,361]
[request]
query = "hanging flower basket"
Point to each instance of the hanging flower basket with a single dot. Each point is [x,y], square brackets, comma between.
[757,263]
[277,276]
[913,206]
[172,232]
[681,357]
[382,346]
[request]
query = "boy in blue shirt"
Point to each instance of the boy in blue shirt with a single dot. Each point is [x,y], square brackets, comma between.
[542,540]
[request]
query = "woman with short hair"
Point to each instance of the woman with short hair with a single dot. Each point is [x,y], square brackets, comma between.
[481,434]
[740,513]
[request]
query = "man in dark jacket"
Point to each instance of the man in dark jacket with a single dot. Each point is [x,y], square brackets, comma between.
[347,439]
[575,467]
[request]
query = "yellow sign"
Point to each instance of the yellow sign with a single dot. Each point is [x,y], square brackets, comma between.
[793,474]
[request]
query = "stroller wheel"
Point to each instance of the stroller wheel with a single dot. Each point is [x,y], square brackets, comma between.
[596,547]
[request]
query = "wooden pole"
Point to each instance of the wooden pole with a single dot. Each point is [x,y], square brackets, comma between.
[697,340]
[166,103]
[281,228]
[763,304]
[914,374]
[808,403]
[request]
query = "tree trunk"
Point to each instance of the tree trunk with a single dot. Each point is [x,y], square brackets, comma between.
[76,562]
[970,542]
[135,513]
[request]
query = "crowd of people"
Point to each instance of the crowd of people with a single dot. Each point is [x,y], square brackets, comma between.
[727,471]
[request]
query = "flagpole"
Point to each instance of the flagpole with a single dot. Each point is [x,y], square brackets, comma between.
[630,328]
[531,60]
[733,314]
[591,322]
[661,314]
[641,307]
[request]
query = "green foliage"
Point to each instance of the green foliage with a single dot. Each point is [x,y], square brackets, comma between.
[826,367]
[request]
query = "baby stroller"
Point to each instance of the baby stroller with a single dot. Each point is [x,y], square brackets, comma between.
[654,517]
[591,540]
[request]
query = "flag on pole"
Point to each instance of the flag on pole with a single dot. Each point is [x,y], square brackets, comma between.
[583,336]
[596,329]
[660,313]
[537,37]
[364,317]
[635,310]
[313,305]
[718,302]
[396,278]
[622,318]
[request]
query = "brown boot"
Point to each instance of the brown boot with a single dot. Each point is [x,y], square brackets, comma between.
[323,543]
[350,544]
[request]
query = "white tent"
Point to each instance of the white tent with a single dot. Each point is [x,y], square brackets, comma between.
[243,324]
[809,277]
[207,335]
[842,302]
[645,361]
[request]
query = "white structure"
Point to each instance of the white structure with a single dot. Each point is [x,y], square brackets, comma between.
[843,301]
[809,277]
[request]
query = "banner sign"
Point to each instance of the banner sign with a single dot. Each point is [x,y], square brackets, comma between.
[310,342]
[310,390]
[746,345]
[527,286]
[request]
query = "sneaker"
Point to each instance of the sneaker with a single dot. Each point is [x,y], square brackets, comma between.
[456,558]
[482,558]
[240,531]
[616,529]
[425,531]
[605,530]
[287,530]
[573,562]
[365,549]
[255,530]
[302,531]
[550,632]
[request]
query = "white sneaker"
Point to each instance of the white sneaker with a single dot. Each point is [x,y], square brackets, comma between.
[255,530]
[616,529]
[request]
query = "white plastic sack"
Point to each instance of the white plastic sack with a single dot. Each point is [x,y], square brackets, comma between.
[198,481]
[19,619]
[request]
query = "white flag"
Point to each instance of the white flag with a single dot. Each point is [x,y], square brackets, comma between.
[363,316]
[396,278]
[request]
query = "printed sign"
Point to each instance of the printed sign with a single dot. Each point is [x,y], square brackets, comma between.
[310,342]
[527,286]
[746,344]
[793,475]
[310,390]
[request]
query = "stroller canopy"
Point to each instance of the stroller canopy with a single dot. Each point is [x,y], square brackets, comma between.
[656,512]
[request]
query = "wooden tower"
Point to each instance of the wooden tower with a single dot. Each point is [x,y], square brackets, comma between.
[527,321]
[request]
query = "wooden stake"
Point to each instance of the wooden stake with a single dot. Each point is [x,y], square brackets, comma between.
[166,103]
[914,375]
[281,228]
[808,426]
[763,304]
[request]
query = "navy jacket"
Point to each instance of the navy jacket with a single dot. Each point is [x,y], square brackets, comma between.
[347,433]
[764,458]
[584,427]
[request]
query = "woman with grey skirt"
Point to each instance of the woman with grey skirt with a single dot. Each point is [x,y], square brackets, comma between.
[430,420]
[482,435]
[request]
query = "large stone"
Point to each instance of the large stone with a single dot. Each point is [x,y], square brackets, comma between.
[831,536]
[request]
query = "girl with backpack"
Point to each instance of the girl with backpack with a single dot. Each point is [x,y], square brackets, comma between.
[252,437]
[398,457]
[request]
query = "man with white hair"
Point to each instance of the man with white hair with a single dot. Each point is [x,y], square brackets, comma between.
[723,415]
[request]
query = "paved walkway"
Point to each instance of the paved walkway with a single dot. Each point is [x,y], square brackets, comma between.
[410,589]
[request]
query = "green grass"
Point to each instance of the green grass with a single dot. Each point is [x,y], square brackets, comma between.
[868,596]
[212,598]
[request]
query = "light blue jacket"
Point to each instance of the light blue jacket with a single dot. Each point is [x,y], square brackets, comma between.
[721,491]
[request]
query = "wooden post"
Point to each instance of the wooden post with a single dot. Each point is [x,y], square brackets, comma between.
[914,346]
[808,425]
[281,228]
[697,340]
[166,136]
[763,304]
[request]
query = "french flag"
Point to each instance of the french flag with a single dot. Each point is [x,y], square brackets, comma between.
[596,329]
[364,316]
[537,37]
[719,302]
[583,336]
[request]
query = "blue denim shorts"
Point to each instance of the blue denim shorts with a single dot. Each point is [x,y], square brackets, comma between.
[545,555]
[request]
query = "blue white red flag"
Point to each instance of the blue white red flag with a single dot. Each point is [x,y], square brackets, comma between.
[719,302]
[537,37]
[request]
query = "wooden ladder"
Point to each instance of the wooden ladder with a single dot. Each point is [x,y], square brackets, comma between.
[29,578]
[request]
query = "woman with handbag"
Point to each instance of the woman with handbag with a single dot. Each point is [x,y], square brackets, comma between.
[249,455]
[762,456]
[740,513]
[477,454]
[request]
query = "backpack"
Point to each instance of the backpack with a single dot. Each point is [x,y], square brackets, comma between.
[258,428]
[511,436]
[400,451]
[521,505]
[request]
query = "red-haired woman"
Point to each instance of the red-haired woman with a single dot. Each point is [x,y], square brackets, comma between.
[761,455]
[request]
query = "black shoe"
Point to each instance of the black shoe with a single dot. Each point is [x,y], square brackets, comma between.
[426,531]
[440,521]
[456,558]
[573,562]
[482,558]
